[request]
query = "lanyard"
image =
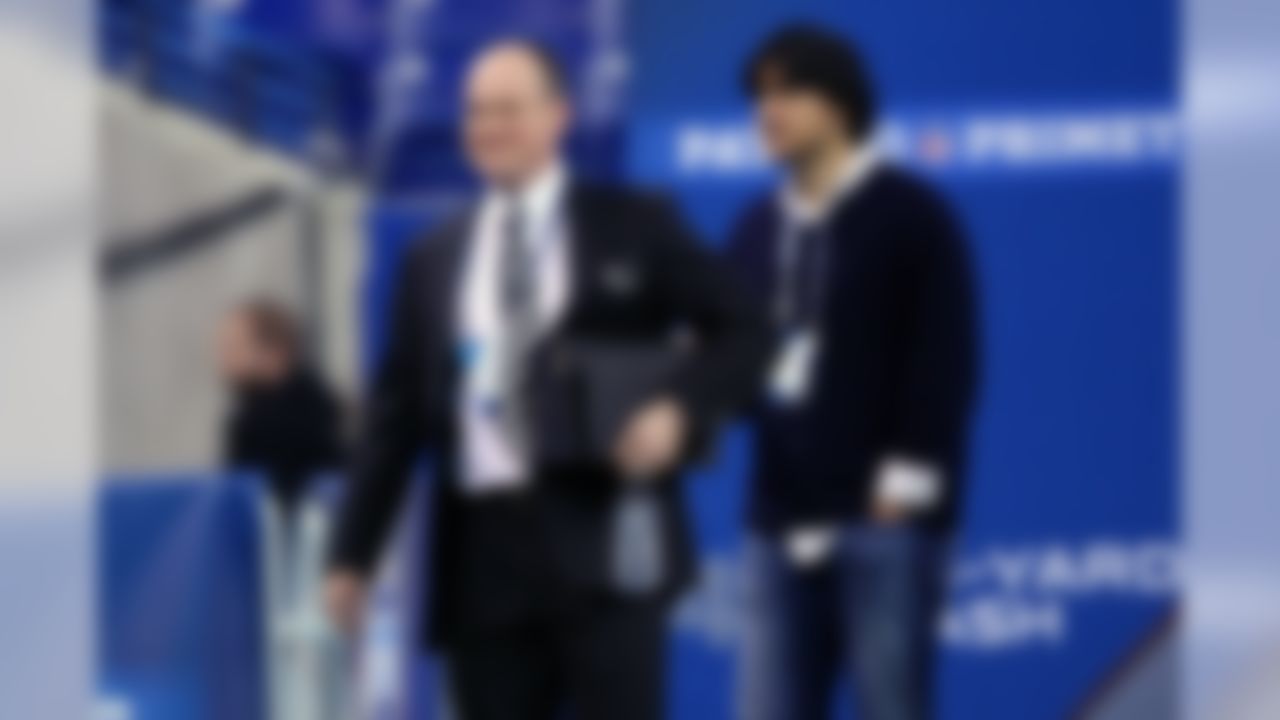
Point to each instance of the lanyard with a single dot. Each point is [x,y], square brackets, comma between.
[798,278]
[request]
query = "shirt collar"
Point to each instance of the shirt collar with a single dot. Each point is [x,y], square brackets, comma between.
[858,166]
[539,199]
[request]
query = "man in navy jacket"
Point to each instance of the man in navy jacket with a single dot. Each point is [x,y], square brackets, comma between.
[862,419]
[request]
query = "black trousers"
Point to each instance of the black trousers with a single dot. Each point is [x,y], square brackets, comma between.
[603,662]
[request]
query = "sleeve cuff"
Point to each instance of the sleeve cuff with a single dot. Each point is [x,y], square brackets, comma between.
[909,483]
[808,546]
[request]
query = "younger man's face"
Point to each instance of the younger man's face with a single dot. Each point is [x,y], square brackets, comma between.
[794,122]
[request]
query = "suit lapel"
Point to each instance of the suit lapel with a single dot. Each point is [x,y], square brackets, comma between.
[584,231]
[443,295]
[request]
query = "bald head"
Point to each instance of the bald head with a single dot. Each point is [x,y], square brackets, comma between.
[516,113]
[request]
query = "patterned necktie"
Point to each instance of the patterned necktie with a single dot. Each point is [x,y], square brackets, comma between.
[518,307]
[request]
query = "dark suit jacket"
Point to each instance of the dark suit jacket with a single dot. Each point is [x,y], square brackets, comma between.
[898,368]
[504,560]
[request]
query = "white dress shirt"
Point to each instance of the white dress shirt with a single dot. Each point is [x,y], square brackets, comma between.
[799,210]
[489,462]
[907,482]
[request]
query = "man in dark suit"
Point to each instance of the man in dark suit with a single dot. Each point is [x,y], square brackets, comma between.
[861,430]
[522,599]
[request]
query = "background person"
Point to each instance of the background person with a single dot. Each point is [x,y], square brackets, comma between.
[861,432]
[285,423]
[284,420]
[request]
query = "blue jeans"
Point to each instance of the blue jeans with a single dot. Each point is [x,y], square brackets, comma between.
[869,610]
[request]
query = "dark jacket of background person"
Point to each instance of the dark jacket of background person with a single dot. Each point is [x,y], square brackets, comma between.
[898,367]
[289,430]
[495,563]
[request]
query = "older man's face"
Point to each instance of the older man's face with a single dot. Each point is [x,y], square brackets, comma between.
[514,120]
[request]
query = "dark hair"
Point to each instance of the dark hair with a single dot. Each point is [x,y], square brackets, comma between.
[547,60]
[810,57]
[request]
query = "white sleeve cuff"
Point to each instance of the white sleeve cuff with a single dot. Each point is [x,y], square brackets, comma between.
[808,546]
[908,483]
